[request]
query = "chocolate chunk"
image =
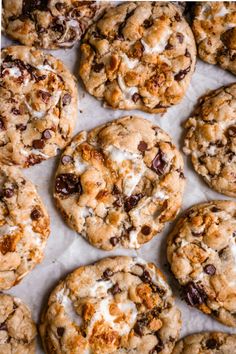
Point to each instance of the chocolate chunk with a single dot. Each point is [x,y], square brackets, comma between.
[8,192]
[44,95]
[180,37]
[38,144]
[60,331]
[68,183]
[145,277]
[66,99]
[211,343]
[193,294]
[146,230]
[46,134]
[209,269]
[3,326]
[142,146]
[57,27]
[135,97]
[29,6]
[15,111]
[232,131]
[115,289]
[35,213]
[66,159]
[132,201]
[114,241]
[182,73]
[138,328]
[107,273]
[147,23]
[159,163]
[215,209]
[115,190]
[21,127]
[98,67]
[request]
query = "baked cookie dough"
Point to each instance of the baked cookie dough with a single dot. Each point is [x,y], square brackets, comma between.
[118,184]
[214,27]
[24,226]
[117,305]
[139,55]
[38,106]
[202,255]
[206,342]
[48,24]
[211,139]
[17,329]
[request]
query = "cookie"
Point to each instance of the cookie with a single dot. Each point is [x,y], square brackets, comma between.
[214,27]
[24,226]
[38,106]
[117,305]
[202,254]
[206,342]
[139,55]
[118,184]
[49,24]
[17,329]
[211,139]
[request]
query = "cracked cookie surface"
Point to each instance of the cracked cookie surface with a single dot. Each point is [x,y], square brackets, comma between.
[202,255]
[17,329]
[38,106]
[206,342]
[211,139]
[118,305]
[118,184]
[214,28]
[138,56]
[49,24]
[24,226]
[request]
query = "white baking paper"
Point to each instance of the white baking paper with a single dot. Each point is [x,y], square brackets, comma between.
[67,250]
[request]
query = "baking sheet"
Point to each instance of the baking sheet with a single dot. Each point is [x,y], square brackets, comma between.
[65,249]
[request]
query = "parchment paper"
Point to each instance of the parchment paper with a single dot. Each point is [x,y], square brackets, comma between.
[67,250]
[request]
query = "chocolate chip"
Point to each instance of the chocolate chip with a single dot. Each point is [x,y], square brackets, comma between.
[146,230]
[1,124]
[215,209]
[40,78]
[177,17]
[169,46]
[60,331]
[58,27]
[46,134]
[21,127]
[158,348]
[68,183]
[187,54]
[209,269]
[114,241]
[145,277]
[132,201]
[232,131]
[107,273]
[115,289]
[115,190]
[182,73]
[35,214]
[15,111]
[3,326]
[193,294]
[38,144]
[138,328]
[180,37]
[98,67]
[211,343]
[66,159]
[135,97]
[142,146]
[147,23]
[66,99]
[45,96]
[159,163]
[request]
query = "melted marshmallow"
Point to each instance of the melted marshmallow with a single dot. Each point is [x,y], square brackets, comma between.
[7,229]
[127,91]
[160,46]
[69,309]
[130,63]
[100,288]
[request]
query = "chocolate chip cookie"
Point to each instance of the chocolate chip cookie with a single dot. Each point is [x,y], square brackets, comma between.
[139,55]
[24,226]
[49,24]
[17,329]
[206,342]
[38,106]
[202,254]
[118,184]
[214,27]
[117,305]
[211,139]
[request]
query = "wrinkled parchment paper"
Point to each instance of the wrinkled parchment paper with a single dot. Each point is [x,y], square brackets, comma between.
[67,250]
